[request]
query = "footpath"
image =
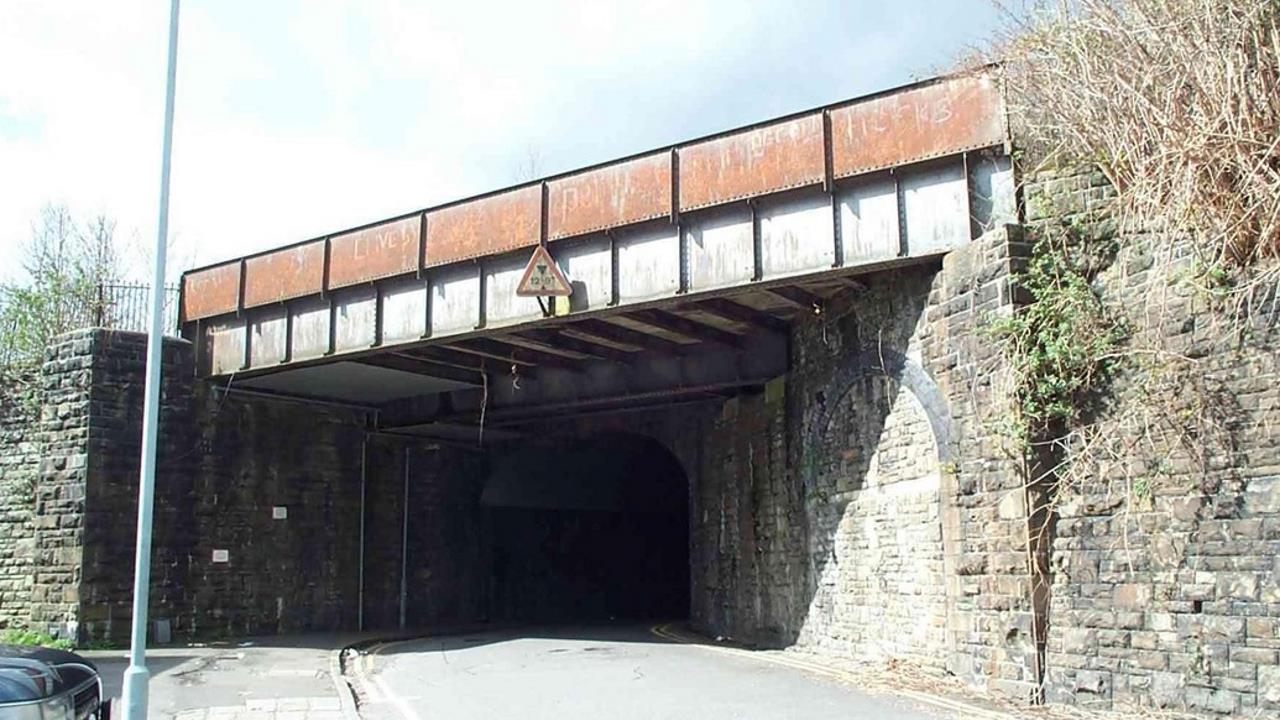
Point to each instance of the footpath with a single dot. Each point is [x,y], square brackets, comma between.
[278,678]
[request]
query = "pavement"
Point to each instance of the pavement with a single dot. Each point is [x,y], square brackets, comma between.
[279,678]
[623,673]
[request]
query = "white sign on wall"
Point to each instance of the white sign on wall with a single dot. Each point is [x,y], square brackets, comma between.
[221,556]
[279,512]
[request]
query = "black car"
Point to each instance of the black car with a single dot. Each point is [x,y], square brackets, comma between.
[45,684]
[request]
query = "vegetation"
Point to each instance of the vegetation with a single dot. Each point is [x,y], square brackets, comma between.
[64,266]
[1063,346]
[1177,101]
[30,638]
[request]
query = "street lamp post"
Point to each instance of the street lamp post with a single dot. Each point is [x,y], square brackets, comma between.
[137,676]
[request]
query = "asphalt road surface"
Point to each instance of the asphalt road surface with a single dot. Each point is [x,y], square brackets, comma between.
[610,673]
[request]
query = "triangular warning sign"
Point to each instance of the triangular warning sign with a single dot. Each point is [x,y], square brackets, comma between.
[543,277]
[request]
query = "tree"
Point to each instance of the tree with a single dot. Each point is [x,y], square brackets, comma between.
[66,266]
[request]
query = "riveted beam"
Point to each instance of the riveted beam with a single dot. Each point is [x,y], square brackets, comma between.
[627,336]
[418,366]
[730,310]
[799,297]
[558,340]
[518,354]
[689,328]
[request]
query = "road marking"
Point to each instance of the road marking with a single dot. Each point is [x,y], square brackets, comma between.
[400,704]
[969,711]
[376,688]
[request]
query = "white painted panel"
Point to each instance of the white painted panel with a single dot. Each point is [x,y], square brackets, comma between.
[994,198]
[355,319]
[502,305]
[404,311]
[648,263]
[869,222]
[224,346]
[796,234]
[720,247]
[937,211]
[455,300]
[587,265]
[267,337]
[310,328]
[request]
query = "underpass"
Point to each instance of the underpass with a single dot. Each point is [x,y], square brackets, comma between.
[729,399]
[534,366]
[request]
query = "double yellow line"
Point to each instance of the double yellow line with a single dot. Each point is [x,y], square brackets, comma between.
[668,632]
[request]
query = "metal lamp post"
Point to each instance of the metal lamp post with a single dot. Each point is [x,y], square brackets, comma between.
[137,676]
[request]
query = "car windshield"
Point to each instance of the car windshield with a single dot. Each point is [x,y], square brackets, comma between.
[22,679]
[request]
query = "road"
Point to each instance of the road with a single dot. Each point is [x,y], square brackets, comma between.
[614,673]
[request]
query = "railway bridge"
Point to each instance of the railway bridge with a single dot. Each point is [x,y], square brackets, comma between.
[737,395]
[686,264]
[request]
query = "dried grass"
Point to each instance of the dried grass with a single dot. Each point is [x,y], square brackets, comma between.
[1178,101]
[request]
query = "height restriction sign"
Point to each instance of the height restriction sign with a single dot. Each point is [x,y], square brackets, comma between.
[543,277]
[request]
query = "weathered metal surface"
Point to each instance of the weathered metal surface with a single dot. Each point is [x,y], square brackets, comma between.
[212,291]
[590,269]
[224,346]
[993,193]
[935,208]
[487,226]
[355,320]
[376,252]
[947,117]
[284,274]
[652,256]
[719,247]
[268,341]
[609,197]
[404,311]
[755,162]
[455,300]
[310,332]
[503,304]
[790,228]
[869,221]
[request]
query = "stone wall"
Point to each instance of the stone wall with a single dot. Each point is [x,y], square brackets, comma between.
[863,507]
[63,434]
[225,463]
[19,463]
[1166,582]
[446,562]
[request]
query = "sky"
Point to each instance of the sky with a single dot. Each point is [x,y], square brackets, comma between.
[300,117]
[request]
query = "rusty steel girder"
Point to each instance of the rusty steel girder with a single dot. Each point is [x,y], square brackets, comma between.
[943,118]
[211,291]
[284,274]
[621,194]
[487,226]
[381,251]
[768,159]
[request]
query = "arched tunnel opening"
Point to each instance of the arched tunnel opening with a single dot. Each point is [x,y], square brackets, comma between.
[590,530]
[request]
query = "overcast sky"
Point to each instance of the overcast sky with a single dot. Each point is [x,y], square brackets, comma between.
[297,118]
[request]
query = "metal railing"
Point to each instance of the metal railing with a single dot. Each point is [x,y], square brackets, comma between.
[113,306]
[127,307]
